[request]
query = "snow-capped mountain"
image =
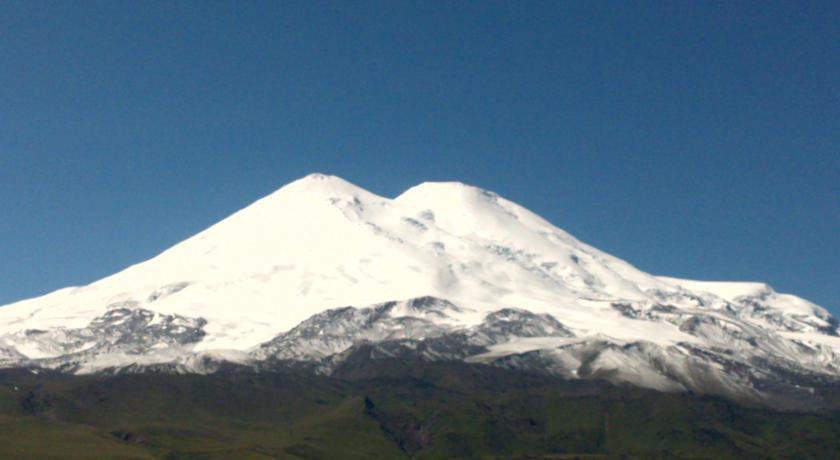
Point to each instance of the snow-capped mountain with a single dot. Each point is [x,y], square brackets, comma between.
[322,269]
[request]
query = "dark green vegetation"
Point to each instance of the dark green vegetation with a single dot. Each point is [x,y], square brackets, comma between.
[386,409]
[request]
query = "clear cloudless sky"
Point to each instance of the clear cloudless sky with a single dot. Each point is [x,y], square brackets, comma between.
[693,139]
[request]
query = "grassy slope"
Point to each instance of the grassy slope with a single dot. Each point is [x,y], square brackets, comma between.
[386,410]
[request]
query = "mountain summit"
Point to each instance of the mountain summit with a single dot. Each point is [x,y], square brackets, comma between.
[312,271]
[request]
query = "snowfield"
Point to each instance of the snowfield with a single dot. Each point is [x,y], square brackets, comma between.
[443,271]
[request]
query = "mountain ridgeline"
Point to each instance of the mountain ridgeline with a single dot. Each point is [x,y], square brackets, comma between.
[323,276]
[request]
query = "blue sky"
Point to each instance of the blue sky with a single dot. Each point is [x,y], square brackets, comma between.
[693,139]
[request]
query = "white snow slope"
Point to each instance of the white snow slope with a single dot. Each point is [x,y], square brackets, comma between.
[321,242]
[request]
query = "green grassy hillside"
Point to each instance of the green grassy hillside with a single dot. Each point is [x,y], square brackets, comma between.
[386,409]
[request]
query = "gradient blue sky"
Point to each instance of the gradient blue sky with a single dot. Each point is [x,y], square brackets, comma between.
[693,139]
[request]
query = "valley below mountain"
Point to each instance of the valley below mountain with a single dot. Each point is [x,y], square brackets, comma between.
[387,408]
